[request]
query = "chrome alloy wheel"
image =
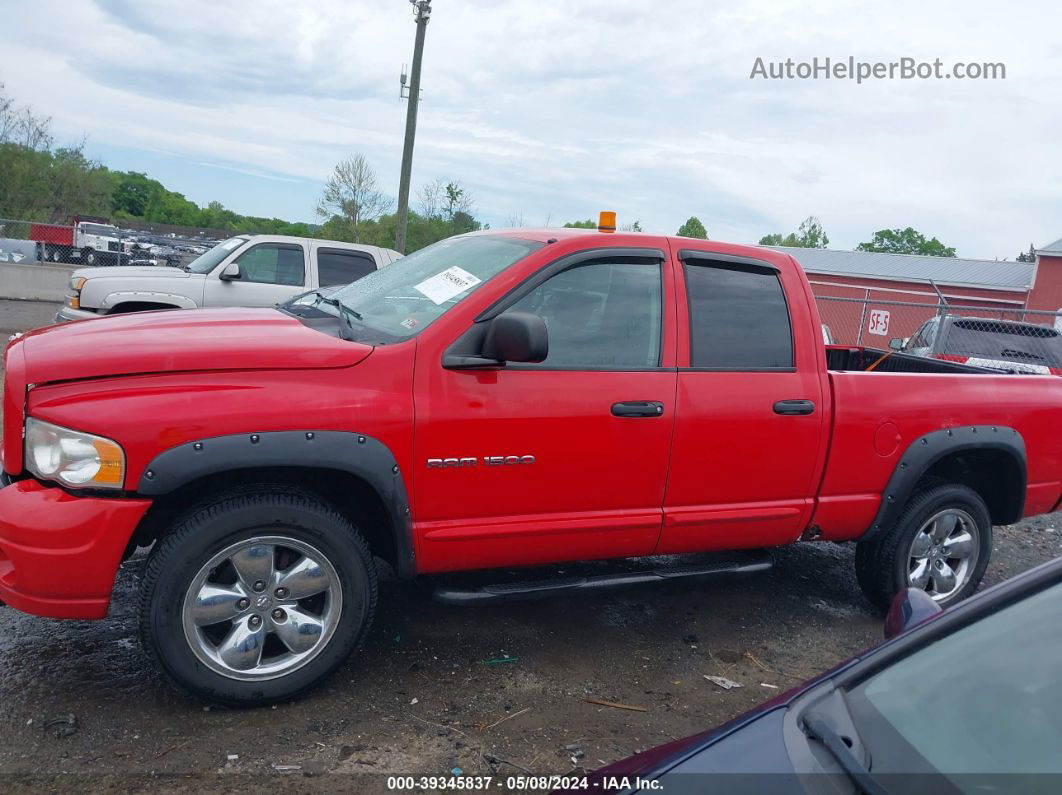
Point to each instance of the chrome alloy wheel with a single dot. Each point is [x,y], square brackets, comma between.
[262,608]
[943,553]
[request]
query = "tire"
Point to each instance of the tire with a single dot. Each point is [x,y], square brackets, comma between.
[297,647]
[89,257]
[892,561]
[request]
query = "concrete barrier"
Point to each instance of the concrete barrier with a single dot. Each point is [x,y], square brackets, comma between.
[34,282]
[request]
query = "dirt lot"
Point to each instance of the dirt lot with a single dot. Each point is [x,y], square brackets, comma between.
[436,688]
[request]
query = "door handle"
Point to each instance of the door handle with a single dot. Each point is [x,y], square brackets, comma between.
[638,408]
[791,407]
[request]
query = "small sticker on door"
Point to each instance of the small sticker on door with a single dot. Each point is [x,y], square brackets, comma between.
[441,287]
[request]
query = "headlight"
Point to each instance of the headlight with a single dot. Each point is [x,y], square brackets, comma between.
[76,283]
[76,459]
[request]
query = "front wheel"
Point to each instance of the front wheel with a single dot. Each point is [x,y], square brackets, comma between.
[257,597]
[940,544]
[88,256]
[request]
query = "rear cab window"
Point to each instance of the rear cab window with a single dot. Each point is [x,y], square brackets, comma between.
[338,266]
[739,318]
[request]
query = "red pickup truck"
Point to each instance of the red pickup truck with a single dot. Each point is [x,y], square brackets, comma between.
[495,400]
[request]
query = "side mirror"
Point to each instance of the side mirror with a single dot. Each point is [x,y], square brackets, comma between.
[909,608]
[516,337]
[231,272]
[896,343]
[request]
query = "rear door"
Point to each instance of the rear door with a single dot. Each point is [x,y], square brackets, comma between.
[750,409]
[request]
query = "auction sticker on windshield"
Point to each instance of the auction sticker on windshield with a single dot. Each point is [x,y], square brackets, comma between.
[443,286]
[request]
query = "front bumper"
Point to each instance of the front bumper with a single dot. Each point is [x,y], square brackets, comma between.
[59,553]
[66,314]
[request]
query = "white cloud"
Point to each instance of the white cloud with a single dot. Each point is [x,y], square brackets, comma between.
[565,108]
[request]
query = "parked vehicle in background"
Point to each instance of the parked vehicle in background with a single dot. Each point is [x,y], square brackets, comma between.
[496,400]
[1004,345]
[246,270]
[967,700]
[88,240]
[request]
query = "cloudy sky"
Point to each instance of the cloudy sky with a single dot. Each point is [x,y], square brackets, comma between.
[551,110]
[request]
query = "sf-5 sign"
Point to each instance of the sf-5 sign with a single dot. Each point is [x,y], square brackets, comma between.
[879,322]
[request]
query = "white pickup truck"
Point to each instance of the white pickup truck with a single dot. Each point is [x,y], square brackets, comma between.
[246,270]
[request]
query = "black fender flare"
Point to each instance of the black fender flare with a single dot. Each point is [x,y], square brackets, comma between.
[354,453]
[930,448]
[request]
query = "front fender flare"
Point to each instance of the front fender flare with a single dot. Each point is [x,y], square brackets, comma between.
[111,300]
[354,453]
[930,448]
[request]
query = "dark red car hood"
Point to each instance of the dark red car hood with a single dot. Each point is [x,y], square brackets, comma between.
[175,341]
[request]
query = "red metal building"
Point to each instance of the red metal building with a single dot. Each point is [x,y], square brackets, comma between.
[851,284]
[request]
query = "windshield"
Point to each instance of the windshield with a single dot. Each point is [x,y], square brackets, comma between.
[99,229]
[207,262]
[409,295]
[984,699]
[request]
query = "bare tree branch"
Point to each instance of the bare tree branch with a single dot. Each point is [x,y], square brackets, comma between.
[351,192]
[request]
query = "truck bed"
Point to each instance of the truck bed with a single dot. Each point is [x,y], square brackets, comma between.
[842,358]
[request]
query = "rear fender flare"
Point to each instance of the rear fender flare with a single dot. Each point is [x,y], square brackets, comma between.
[930,448]
[354,453]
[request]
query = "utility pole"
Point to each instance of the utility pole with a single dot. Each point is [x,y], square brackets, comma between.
[421,11]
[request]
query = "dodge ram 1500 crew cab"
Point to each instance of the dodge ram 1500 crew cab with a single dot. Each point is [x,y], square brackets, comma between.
[495,400]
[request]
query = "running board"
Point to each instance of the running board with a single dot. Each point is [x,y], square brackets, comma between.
[539,589]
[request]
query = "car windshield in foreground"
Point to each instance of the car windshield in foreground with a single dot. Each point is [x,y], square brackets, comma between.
[407,296]
[205,263]
[986,699]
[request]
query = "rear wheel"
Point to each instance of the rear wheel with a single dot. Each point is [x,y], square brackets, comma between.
[941,544]
[257,596]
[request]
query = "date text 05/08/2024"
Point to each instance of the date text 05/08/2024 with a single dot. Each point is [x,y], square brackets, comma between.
[521,782]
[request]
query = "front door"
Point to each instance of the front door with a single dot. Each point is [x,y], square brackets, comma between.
[749,434]
[269,273]
[561,460]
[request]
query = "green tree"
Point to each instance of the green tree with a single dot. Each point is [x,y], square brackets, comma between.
[693,228]
[1027,256]
[809,235]
[587,224]
[905,241]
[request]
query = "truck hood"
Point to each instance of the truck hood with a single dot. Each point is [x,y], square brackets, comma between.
[127,271]
[182,341]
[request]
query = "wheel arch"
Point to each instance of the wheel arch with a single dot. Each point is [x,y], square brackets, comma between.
[356,473]
[990,459]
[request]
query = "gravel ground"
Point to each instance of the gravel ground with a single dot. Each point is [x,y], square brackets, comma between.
[436,688]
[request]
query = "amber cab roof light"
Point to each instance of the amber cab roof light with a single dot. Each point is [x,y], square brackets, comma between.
[606,222]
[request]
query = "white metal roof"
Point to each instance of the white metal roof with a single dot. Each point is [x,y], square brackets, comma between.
[991,274]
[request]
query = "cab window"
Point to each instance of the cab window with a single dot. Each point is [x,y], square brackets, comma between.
[340,266]
[600,315]
[273,263]
[739,319]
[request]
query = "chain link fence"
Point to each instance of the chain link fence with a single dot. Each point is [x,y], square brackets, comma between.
[92,242]
[1009,339]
